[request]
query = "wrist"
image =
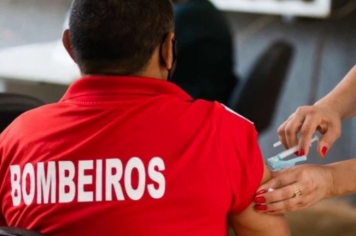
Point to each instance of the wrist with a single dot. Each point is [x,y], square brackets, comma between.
[332,105]
[330,182]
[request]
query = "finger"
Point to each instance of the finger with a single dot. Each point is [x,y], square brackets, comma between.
[292,129]
[280,181]
[281,134]
[281,212]
[274,213]
[307,131]
[293,204]
[328,139]
[279,195]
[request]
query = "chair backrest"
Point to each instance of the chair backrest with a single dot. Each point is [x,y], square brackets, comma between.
[13,105]
[258,98]
[10,231]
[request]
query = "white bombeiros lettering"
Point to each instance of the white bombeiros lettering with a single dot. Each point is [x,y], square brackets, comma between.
[28,174]
[88,181]
[113,180]
[66,179]
[46,184]
[135,163]
[98,182]
[157,177]
[85,196]
[15,185]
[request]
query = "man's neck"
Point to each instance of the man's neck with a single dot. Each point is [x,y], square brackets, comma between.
[144,74]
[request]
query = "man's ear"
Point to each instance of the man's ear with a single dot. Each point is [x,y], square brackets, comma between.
[66,43]
[167,50]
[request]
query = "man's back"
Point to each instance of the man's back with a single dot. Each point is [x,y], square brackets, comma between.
[127,155]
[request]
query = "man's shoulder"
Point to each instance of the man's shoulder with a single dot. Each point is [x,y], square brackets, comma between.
[36,113]
[27,121]
[232,124]
[230,118]
[232,115]
[219,114]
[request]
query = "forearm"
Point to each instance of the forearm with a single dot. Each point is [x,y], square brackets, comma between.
[344,178]
[343,97]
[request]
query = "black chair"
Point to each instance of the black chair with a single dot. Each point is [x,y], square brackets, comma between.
[9,231]
[13,105]
[257,100]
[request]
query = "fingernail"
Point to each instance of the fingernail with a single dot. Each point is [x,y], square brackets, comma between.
[301,152]
[260,200]
[263,191]
[324,150]
[296,153]
[260,208]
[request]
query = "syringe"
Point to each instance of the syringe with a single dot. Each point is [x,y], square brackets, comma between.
[276,163]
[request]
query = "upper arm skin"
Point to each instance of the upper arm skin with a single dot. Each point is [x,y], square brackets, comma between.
[252,223]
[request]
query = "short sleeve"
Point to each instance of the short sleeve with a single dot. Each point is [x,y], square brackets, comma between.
[243,159]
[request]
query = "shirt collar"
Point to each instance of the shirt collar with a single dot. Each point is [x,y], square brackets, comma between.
[101,85]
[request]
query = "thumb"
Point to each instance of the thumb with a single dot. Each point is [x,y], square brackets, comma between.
[327,141]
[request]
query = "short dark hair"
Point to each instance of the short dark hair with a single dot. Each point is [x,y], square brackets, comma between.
[118,34]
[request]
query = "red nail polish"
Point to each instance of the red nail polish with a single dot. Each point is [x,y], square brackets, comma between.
[296,153]
[260,200]
[260,208]
[324,150]
[263,191]
[301,152]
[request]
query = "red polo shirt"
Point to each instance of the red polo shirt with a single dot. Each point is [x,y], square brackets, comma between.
[127,156]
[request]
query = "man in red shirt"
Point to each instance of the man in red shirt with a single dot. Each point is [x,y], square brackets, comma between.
[125,152]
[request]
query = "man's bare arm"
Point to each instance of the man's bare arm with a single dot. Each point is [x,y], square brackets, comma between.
[251,223]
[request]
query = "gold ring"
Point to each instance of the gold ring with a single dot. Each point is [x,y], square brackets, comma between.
[297,192]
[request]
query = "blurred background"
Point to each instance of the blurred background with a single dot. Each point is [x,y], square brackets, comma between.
[285,53]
